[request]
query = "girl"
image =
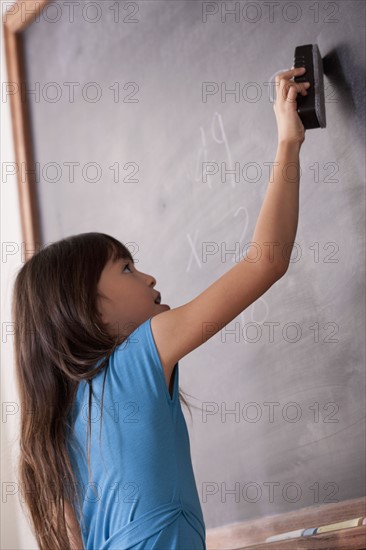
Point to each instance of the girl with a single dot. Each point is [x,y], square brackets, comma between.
[95,348]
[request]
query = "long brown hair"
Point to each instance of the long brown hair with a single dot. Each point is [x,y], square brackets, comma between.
[59,337]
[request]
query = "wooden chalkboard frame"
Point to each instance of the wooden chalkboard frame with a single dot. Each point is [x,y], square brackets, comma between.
[17,18]
[239,535]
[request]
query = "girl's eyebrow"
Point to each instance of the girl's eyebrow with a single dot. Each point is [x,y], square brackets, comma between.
[128,260]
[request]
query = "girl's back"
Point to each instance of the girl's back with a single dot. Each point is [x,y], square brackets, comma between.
[142,490]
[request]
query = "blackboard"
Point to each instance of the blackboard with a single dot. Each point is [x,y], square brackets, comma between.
[137,96]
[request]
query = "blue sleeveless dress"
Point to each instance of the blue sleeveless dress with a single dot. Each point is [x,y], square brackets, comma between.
[141,492]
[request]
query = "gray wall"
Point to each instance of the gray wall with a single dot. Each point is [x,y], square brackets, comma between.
[312,365]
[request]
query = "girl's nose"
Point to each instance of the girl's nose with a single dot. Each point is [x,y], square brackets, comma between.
[150,279]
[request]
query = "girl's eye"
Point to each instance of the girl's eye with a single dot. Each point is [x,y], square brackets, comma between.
[128,268]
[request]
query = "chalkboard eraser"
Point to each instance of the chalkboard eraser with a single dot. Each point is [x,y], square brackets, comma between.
[311,108]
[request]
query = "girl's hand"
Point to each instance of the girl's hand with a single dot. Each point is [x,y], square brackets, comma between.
[289,125]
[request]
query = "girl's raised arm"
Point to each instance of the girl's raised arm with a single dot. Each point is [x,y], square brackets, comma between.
[180,330]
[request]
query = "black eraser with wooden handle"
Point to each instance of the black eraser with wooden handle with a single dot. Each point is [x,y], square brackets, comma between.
[311,108]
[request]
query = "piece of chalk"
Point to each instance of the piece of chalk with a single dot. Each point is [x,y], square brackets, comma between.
[315,530]
[341,525]
[310,531]
[283,536]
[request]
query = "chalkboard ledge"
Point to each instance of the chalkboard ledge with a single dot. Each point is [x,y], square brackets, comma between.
[252,534]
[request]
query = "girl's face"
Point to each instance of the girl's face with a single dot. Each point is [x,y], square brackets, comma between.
[126,297]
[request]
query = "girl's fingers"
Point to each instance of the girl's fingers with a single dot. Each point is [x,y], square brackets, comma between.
[304,88]
[298,87]
[291,73]
[288,88]
[292,94]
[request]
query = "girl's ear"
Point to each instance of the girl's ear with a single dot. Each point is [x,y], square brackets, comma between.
[100,308]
